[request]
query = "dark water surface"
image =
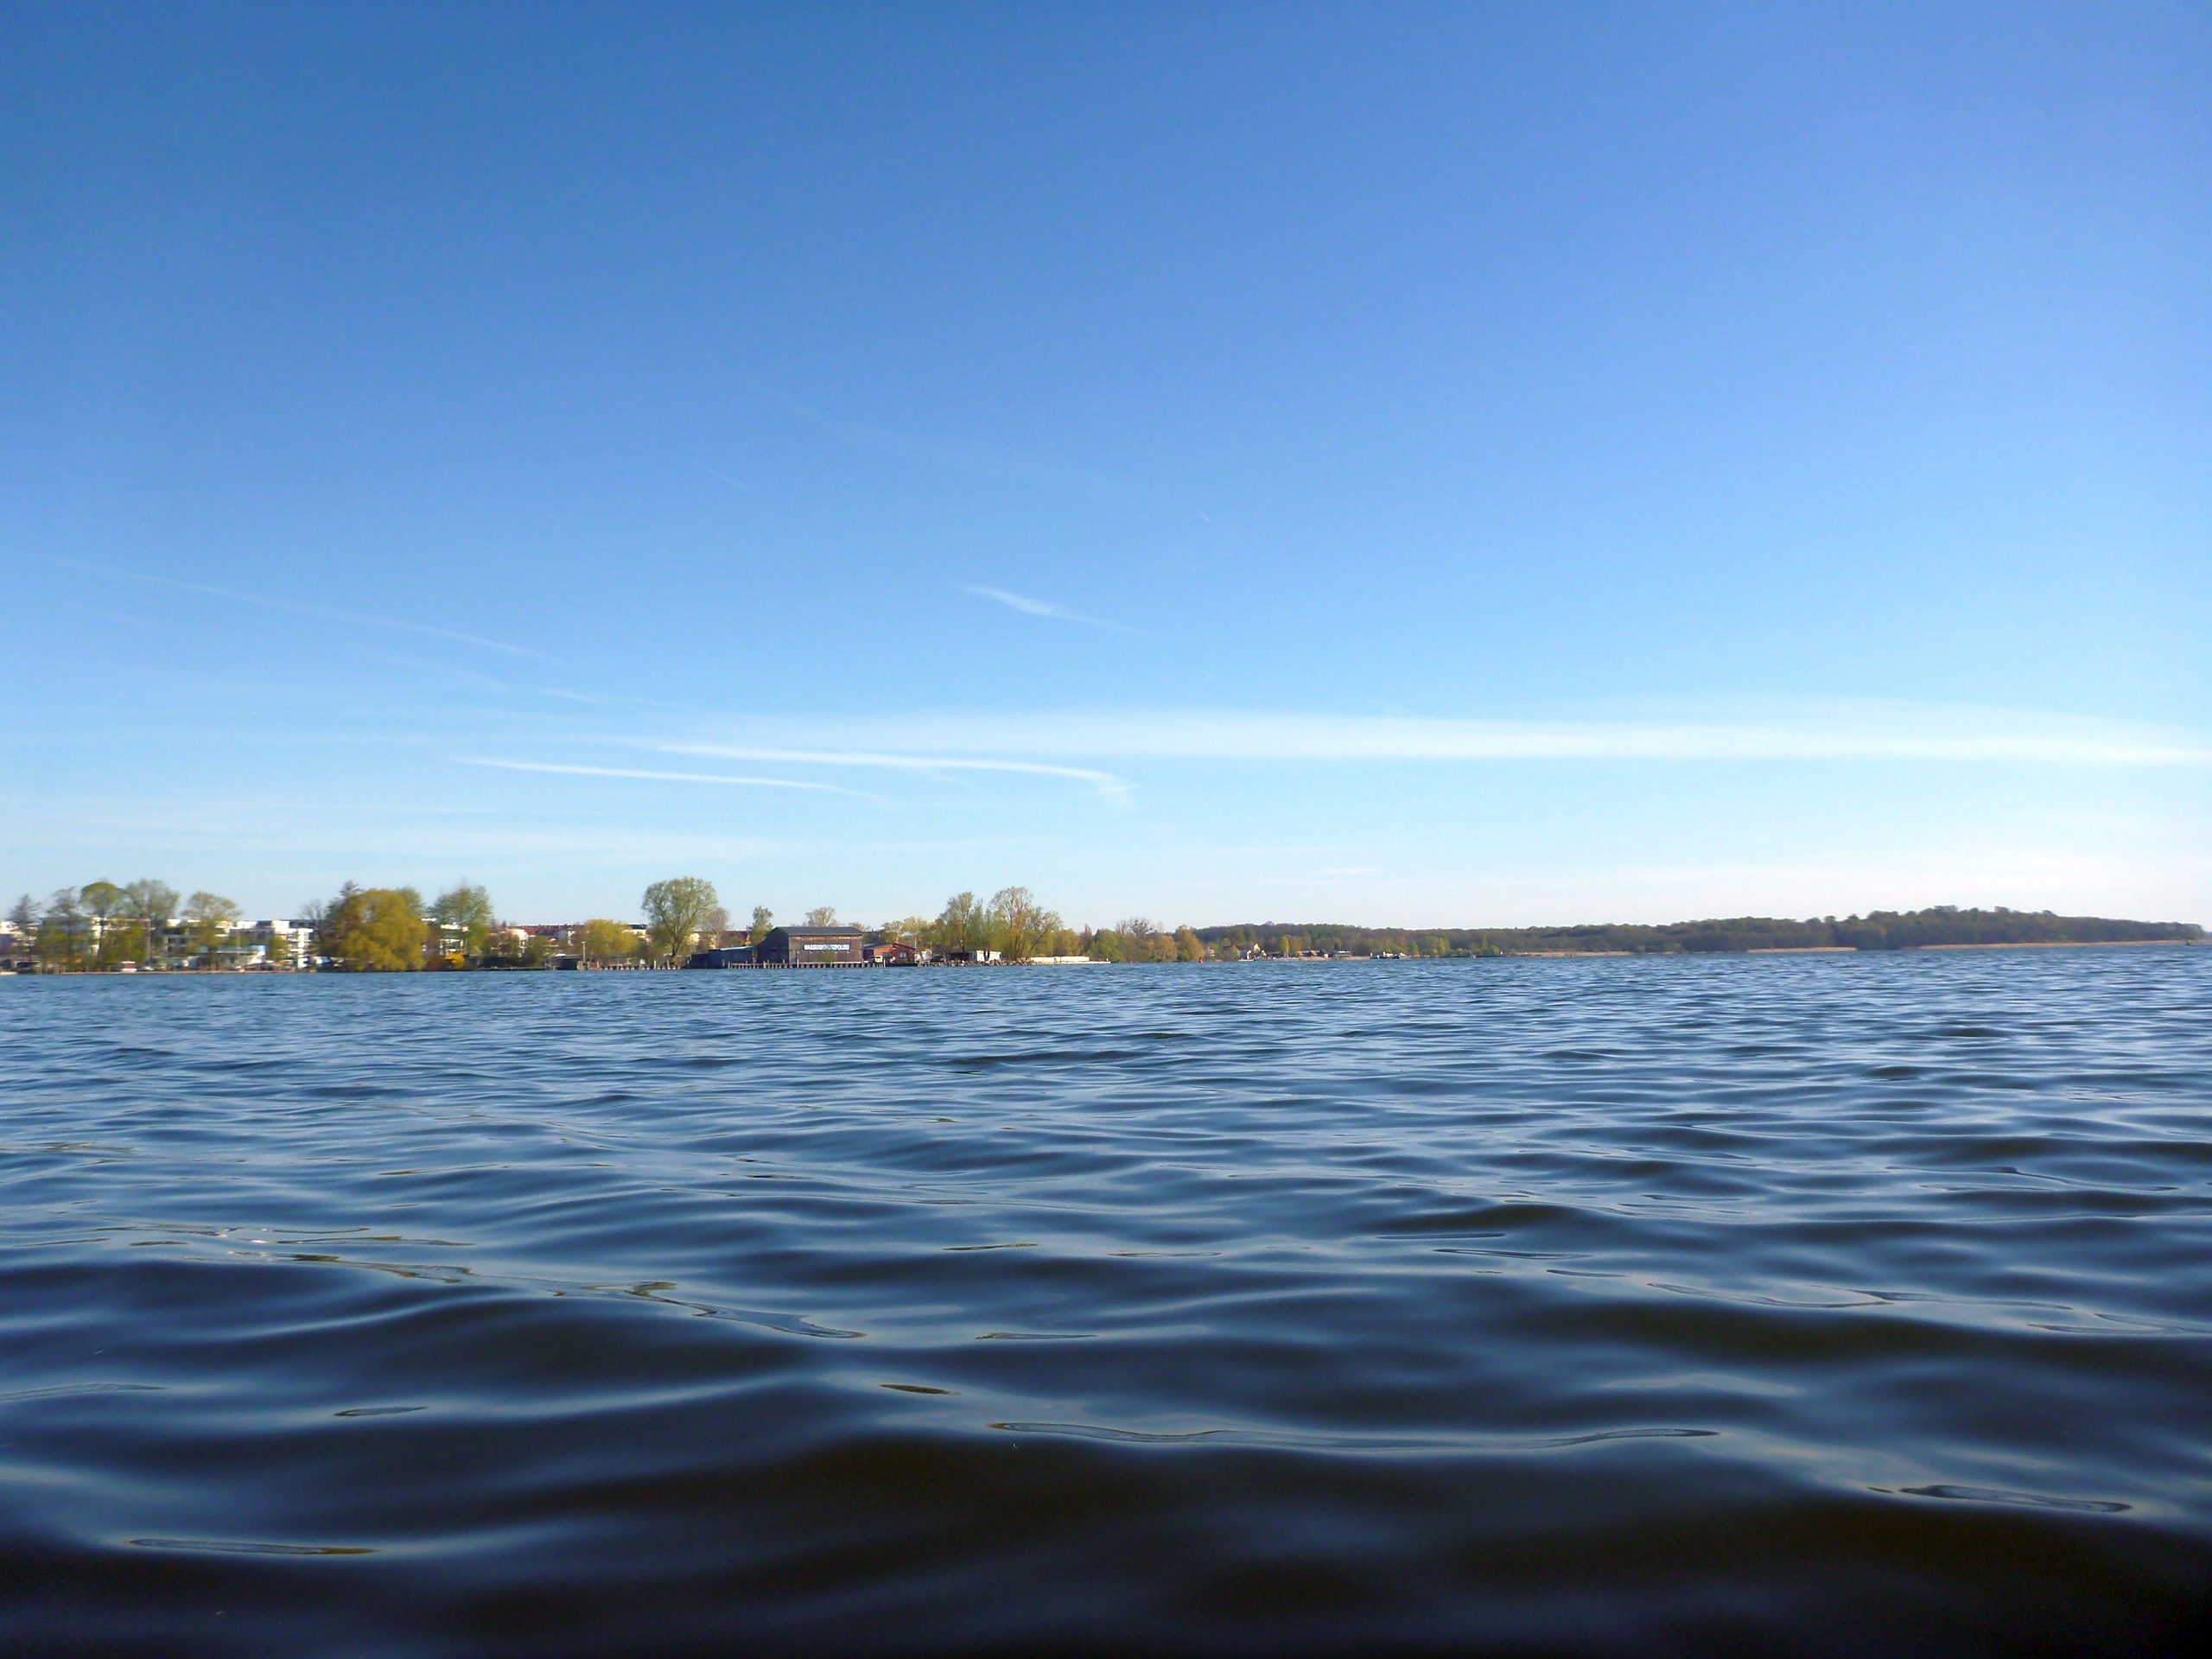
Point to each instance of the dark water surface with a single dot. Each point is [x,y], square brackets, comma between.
[1824,1304]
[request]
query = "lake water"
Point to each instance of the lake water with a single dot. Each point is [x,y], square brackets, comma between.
[1827,1304]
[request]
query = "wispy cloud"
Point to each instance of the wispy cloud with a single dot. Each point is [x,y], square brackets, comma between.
[1029,606]
[566,770]
[1069,744]
[951,452]
[1880,732]
[400,838]
[294,607]
[1105,783]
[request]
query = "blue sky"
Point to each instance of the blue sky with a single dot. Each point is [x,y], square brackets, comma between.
[1446,464]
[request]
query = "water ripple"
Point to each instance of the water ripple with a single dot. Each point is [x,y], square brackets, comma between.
[1822,1305]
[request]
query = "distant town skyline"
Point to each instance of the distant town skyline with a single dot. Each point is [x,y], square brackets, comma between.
[1481,467]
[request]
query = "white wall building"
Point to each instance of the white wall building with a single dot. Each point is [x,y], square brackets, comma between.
[285,944]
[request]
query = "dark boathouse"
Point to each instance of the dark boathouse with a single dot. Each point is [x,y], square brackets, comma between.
[722,955]
[813,947]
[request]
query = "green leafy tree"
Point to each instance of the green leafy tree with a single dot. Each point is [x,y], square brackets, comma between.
[1106,945]
[602,940]
[675,911]
[61,931]
[209,917]
[151,903]
[102,900]
[764,923]
[1189,947]
[908,929]
[374,930]
[25,918]
[822,916]
[960,926]
[469,909]
[1018,926]
[1137,935]
[327,917]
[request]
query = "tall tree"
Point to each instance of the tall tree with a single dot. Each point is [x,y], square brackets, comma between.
[675,911]
[25,918]
[764,923]
[822,916]
[1137,935]
[1019,927]
[101,901]
[373,930]
[601,940]
[1189,947]
[960,925]
[151,903]
[468,908]
[61,931]
[211,917]
[329,917]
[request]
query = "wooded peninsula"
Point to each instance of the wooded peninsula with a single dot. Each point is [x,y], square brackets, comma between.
[1880,930]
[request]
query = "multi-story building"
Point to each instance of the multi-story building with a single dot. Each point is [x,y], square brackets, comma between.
[285,944]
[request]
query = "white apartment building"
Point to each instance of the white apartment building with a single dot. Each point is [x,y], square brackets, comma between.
[285,944]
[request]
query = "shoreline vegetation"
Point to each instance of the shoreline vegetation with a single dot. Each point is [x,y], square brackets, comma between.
[146,927]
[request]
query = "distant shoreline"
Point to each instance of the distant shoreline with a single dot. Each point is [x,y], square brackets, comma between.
[2060,944]
[1310,962]
[33,947]
[1850,949]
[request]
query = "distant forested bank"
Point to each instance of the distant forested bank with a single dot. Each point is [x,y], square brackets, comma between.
[1880,930]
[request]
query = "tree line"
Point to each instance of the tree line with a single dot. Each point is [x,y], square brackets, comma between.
[103,924]
[392,930]
[387,929]
[1880,930]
